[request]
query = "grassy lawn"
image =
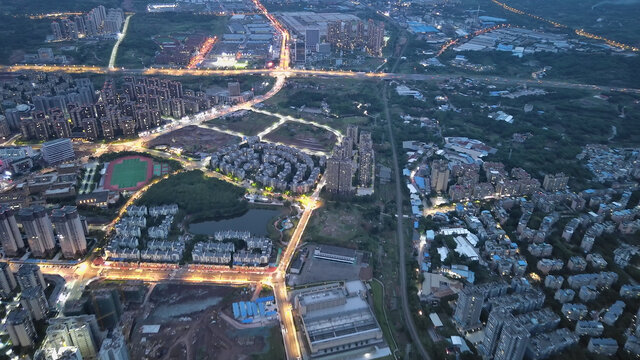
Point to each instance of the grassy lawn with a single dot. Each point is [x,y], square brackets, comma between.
[378,307]
[349,225]
[138,48]
[303,135]
[129,173]
[250,123]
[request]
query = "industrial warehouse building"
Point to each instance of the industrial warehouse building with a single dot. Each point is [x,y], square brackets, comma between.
[337,319]
[335,253]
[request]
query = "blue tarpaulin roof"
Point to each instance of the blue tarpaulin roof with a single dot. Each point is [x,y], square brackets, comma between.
[418,27]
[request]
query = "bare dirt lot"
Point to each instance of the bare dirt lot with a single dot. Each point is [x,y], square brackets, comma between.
[303,136]
[246,122]
[193,139]
[192,325]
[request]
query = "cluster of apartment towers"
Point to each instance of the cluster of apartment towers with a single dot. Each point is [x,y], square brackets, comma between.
[38,227]
[344,162]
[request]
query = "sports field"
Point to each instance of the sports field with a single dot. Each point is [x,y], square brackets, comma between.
[128,173]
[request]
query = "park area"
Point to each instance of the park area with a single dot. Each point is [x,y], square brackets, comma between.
[131,173]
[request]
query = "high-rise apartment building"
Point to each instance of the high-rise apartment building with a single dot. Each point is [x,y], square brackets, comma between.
[334,31]
[90,128]
[114,348]
[339,175]
[29,275]
[70,231]
[108,127]
[469,307]
[7,280]
[39,231]
[35,302]
[366,160]
[513,343]
[375,38]
[107,306]
[59,353]
[10,236]
[234,88]
[311,39]
[20,328]
[79,331]
[56,30]
[439,175]
[498,318]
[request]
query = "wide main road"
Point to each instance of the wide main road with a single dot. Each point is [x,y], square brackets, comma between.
[292,73]
[245,276]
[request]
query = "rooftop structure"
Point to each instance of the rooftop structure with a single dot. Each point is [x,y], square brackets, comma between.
[336,320]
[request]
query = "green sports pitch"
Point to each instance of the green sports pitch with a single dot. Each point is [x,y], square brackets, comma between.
[129,173]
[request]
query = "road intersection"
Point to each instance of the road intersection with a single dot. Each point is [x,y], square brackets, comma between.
[275,278]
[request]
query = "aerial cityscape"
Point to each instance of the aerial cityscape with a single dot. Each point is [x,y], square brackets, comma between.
[330,180]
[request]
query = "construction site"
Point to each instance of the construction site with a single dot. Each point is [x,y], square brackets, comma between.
[178,321]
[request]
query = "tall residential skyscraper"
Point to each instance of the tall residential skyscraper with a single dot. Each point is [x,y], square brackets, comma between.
[90,128]
[375,37]
[352,133]
[59,353]
[7,280]
[359,33]
[498,318]
[29,275]
[513,343]
[233,88]
[106,305]
[34,301]
[469,307]
[366,160]
[20,328]
[108,131]
[311,38]
[39,231]
[339,174]
[114,348]
[350,140]
[70,231]
[57,30]
[9,233]
[79,331]
[334,31]
[439,175]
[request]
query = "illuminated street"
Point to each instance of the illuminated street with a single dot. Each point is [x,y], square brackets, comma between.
[79,274]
